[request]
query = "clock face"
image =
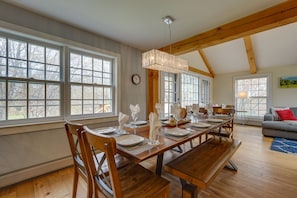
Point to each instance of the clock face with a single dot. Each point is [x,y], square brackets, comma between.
[136,79]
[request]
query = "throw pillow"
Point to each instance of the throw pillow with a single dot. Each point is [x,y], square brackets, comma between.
[274,113]
[286,114]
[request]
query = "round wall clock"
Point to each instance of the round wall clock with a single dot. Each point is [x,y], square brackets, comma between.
[136,79]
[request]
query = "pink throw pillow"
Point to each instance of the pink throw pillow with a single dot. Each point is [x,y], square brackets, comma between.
[286,114]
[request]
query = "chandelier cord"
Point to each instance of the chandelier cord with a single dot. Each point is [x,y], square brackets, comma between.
[170,38]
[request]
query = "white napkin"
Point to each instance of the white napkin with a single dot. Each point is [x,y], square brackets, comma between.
[135,109]
[123,118]
[155,124]
[175,109]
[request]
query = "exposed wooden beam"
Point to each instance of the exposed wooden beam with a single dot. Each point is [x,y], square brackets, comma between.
[205,60]
[250,54]
[272,17]
[152,90]
[193,69]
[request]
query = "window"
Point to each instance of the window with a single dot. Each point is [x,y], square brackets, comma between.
[204,94]
[33,86]
[189,90]
[169,90]
[252,95]
[194,90]
[91,82]
[30,79]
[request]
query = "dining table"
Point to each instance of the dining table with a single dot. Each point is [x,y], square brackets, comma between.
[168,137]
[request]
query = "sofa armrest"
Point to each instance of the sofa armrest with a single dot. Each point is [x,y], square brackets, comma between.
[268,117]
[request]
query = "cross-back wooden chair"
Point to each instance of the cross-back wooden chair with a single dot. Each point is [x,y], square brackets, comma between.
[228,127]
[132,180]
[73,131]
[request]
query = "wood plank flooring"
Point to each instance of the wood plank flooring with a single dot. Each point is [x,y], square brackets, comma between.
[262,173]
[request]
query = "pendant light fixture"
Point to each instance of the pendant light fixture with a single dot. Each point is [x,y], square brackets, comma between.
[162,61]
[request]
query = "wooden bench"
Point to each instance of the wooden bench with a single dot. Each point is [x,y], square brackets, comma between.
[199,167]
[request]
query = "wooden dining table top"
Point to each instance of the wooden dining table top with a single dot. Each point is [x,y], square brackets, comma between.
[167,142]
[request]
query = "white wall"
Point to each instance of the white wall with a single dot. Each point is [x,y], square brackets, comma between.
[223,86]
[36,149]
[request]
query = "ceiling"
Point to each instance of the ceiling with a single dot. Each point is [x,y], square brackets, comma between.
[138,23]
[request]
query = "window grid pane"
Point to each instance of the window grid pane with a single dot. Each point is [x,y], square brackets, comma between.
[170,92]
[26,97]
[94,74]
[257,101]
[190,90]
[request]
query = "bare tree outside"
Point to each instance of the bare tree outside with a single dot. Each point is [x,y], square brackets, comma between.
[31,72]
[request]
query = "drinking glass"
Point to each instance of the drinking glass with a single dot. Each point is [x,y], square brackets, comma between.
[134,118]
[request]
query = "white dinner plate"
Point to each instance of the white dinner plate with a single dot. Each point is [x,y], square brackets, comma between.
[105,130]
[177,132]
[200,125]
[221,115]
[129,140]
[163,119]
[214,120]
[139,122]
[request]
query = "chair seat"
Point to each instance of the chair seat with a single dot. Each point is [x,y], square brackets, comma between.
[143,182]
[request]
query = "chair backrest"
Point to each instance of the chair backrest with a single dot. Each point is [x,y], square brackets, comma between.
[217,110]
[228,111]
[107,181]
[73,130]
[230,107]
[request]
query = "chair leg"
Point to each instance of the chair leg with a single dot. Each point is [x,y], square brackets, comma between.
[90,189]
[75,182]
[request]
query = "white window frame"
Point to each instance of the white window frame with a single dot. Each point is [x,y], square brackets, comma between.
[64,45]
[247,100]
[27,80]
[92,84]
[179,87]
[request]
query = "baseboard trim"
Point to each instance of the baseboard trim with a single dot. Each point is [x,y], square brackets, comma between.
[35,171]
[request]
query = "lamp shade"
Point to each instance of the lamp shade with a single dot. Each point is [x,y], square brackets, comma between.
[242,94]
[162,61]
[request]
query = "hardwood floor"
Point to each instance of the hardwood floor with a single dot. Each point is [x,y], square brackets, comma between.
[261,173]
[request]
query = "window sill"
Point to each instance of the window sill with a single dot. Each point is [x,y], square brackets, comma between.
[26,128]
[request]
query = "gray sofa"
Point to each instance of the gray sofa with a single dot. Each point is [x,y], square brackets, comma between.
[273,127]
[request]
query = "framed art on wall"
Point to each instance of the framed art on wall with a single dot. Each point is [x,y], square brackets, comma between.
[288,82]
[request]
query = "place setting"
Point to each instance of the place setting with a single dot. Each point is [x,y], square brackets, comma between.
[136,144]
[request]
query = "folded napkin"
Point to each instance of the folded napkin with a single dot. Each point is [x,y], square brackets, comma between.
[176,109]
[158,108]
[123,118]
[155,125]
[135,109]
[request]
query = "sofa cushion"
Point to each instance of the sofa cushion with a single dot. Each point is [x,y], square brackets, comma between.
[279,125]
[286,114]
[274,113]
[291,122]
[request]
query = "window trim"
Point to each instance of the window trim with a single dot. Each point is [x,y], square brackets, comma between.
[36,36]
[269,90]
[178,86]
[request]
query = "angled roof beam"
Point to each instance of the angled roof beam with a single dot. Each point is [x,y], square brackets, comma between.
[193,69]
[272,17]
[250,54]
[203,56]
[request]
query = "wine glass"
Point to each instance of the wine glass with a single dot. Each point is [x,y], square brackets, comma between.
[134,118]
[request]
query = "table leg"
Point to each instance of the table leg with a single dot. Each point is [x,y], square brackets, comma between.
[159,164]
